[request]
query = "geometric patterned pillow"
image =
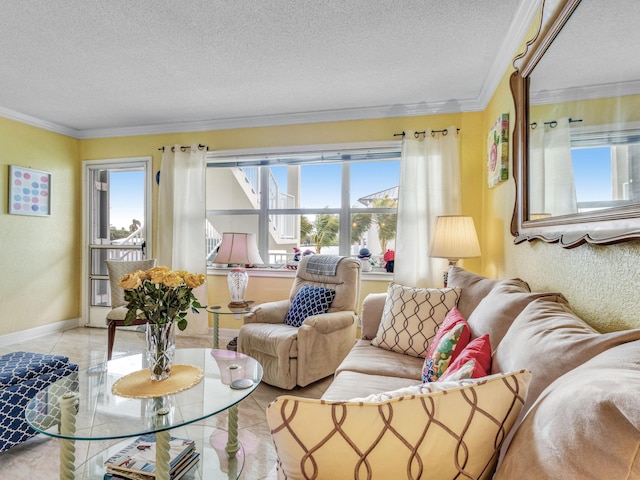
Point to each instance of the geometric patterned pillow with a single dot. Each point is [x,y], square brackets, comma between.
[309,301]
[436,364]
[411,317]
[455,433]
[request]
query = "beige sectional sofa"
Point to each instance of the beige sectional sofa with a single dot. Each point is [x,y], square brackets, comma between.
[563,400]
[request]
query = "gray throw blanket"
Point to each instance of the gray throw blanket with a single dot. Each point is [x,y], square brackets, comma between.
[323,264]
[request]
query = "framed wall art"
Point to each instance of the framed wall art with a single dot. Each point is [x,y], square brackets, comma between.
[498,151]
[29,191]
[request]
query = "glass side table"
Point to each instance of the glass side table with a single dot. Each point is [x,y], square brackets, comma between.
[218,310]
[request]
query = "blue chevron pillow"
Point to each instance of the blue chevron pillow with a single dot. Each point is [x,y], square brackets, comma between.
[309,301]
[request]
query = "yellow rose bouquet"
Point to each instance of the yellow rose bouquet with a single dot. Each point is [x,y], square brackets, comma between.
[161,295]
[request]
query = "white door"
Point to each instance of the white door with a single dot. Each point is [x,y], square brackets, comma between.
[116,220]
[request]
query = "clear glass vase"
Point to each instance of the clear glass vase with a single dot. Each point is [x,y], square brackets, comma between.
[161,347]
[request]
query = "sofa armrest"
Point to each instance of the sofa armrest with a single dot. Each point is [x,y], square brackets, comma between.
[372,308]
[270,312]
[330,322]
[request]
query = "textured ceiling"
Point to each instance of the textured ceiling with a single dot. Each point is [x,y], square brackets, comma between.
[98,68]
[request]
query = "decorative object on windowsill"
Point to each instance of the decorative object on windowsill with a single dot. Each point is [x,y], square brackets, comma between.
[238,249]
[365,259]
[454,238]
[389,258]
[163,297]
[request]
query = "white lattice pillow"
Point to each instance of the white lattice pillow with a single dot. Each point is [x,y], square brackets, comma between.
[412,316]
[453,432]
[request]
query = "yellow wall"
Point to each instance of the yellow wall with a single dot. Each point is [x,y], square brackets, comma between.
[40,256]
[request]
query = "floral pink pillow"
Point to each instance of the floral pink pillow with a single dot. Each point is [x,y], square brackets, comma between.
[445,351]
[453,318]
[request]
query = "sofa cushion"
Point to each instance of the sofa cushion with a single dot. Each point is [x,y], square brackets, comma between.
[556,341]
[309,300]
[411,318]
[348,385]
[446,349]
[477,351]
[365,358]
[474,287]
[454,433]
[495,313]
[584,425]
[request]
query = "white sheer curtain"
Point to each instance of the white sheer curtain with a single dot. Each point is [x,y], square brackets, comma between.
[552,187]
[181,220]
[429,187]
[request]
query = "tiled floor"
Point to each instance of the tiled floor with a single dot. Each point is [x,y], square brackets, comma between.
[38,458]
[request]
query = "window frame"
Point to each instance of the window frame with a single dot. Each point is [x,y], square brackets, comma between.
[263,157]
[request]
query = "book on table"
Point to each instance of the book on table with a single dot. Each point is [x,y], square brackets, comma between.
[137,460]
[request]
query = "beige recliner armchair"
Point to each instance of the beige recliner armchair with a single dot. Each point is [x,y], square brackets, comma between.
[301,355]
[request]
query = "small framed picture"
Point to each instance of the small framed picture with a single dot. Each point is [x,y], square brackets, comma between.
[498,151]
[29,191]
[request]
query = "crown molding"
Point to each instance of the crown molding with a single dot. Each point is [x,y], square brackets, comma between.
[586,92]
[409,110]
[37,122]
[513,39]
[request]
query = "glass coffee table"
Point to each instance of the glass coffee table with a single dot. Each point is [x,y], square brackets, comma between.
[83,407]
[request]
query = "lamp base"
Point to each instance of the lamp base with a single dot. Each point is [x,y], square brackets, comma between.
[445,274]
[237,280]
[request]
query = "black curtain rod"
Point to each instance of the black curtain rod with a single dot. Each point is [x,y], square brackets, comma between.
[444,132]
[184,148]
[554,123]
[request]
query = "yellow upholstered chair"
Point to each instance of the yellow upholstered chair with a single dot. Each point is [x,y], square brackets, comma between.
[299,355]
[115,317]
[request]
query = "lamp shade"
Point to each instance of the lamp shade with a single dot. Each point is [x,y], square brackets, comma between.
[238,249]
[454,237]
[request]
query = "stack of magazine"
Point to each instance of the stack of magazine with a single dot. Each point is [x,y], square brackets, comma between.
[137,461]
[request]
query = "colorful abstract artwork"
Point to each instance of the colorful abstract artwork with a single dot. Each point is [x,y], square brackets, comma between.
[29,191]
[498,151]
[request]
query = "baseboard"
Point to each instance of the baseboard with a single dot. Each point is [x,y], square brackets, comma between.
[26,335]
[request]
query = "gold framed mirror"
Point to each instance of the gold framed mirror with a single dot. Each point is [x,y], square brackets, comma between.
[576,139]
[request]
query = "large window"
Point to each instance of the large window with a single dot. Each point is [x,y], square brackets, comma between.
[321,199]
